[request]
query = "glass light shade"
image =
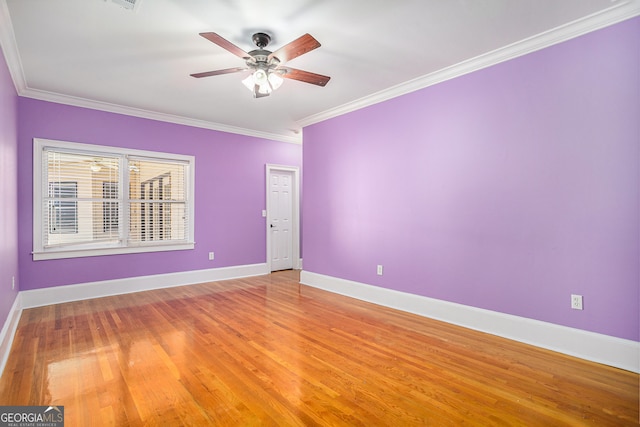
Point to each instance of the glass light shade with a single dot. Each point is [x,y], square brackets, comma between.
[248,82]
[275,80]
[262,82]
[260,77]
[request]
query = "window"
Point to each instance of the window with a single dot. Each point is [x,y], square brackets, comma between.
[93,200]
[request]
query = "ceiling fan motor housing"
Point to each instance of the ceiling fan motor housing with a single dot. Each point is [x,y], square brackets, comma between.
[261,56]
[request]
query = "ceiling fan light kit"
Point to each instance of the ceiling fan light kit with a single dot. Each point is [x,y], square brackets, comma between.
[267,72]
[261,83]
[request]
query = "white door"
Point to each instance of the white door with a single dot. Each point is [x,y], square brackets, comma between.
[280,218]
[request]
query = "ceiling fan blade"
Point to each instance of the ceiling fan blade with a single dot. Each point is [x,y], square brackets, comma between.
[218,72]
[298,47]
[305,76]
[225,44]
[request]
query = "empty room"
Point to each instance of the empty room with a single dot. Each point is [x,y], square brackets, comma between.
[320,212]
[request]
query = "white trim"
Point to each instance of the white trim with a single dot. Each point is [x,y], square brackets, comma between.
[617,13]
[152,115]
[82,291]
[612,351]
[8,332]
[39,256]
[295,203]
[10,49]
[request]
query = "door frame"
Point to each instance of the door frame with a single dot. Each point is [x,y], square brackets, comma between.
[295,214]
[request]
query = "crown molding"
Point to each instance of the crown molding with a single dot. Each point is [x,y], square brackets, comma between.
[613,15]
[153,115]
[10,48]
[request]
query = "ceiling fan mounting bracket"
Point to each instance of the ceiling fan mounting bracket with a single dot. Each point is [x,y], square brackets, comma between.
[261,40]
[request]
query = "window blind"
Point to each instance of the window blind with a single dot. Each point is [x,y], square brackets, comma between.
[157,201]
[75,199]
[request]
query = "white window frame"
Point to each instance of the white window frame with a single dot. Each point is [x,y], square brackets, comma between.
[42,253]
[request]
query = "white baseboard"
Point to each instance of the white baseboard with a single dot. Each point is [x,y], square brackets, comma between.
[9,331]
[82,291]
[612,351]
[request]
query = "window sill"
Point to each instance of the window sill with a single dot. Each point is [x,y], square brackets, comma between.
[62,254]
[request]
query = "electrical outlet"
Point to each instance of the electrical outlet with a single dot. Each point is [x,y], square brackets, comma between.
[379,271]
[576,302]
[211,256]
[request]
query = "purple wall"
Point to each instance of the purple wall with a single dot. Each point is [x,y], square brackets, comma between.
[507,189]
[8,191]
[230,191]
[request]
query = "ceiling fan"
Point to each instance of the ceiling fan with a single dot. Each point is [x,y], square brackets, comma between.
[267,71]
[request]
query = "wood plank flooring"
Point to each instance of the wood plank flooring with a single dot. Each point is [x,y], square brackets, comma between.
[269,351]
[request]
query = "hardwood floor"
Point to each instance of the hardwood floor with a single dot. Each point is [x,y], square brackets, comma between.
[269,351]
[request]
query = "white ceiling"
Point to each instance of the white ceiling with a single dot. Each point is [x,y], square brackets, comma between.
[96,54]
